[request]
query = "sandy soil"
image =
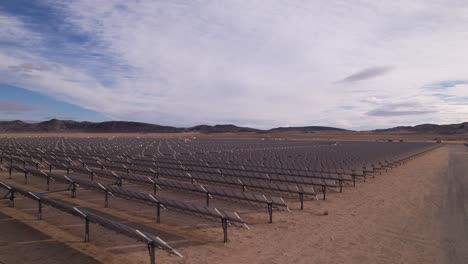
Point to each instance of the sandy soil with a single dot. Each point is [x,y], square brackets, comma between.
[389,219]
[406,215]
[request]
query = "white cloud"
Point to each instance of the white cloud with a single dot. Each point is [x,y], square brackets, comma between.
[259,63]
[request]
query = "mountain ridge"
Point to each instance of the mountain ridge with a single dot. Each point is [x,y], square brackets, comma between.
[55,125]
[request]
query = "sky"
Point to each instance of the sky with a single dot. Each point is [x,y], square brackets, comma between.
[351,64]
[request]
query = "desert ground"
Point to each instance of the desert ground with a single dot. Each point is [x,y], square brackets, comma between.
[316,136]
[414,213]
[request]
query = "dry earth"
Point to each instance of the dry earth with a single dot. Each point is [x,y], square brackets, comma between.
[412,214]
[316,136]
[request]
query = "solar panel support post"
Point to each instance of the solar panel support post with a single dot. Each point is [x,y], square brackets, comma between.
[9,171]
[68,171]
[73,190]
[92,176]
[152,253]
[270,212]
[301,198]
[158,212]
[50,168]
[154,188]
[12,199]
[207,199]
[39,210]
[106,199]
[48,183]
[224,223]
[354,180]
[25,177]
[324,191]
[340,182]
[86,239]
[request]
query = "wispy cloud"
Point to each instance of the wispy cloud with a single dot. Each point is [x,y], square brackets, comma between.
[7,107]
[367,73]
[254,62]
[389,113]
[445,84]
[410,108]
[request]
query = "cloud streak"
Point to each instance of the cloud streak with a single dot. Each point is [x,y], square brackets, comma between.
[367,73]
[7,107]
[389,113]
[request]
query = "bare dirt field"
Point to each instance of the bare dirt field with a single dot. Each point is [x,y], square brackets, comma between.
[412,214]
[317,136]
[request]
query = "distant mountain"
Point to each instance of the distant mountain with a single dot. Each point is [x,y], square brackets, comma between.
[307,129]
[221,129]
[452,129]
[55,125]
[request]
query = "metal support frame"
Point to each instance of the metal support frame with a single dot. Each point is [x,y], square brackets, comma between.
[48,183]
[86,238]
[106,199]
[25,177]
[158,212]
[73,190]
[39,210]
[207,199]
[324,191]
[270,212]
[152,252]
[11,202]
[224,223]
[301,198]
[340,182]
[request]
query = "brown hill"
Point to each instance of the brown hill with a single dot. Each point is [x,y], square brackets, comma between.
[451,129]
[55,125]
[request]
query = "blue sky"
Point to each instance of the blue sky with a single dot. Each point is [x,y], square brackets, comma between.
[351,64]
[32,107]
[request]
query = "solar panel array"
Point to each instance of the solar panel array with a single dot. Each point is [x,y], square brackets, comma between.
[151,240]
[262,173]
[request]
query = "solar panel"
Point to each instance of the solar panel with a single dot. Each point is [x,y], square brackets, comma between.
[150,239]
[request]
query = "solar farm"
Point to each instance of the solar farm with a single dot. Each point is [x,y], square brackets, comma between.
[164,196]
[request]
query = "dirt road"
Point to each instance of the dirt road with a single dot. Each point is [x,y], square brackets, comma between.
[451,220]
